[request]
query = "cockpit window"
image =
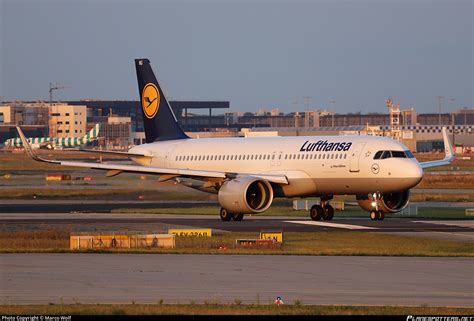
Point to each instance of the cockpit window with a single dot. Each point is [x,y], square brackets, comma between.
[386,154]
[409,154]
[398,154]
[378,154]
[383,154]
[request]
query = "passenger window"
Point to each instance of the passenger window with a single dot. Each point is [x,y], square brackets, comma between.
[345,156]
[273,156]
[279,156]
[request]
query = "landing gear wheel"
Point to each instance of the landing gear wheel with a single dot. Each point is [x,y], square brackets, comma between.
[380,215]
[316,212]
[328,213]
[225,215]
[373,215]
[238,217]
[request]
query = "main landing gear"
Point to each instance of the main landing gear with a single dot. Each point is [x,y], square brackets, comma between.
[323,211]
[226,216]
[376,214]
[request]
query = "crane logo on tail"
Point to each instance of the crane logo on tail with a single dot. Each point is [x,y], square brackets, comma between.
[150,100]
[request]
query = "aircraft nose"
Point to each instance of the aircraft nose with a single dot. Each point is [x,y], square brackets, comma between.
[414,172]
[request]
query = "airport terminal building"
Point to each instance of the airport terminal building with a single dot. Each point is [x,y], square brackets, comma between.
[122,126]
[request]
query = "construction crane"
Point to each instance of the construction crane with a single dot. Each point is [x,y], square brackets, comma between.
[54,87]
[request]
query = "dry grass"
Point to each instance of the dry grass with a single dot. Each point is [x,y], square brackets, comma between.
[227,309]
[452,180]
[438,197]
[26,240]
[308,243]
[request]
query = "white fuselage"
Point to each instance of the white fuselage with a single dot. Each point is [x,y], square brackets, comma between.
[314,165]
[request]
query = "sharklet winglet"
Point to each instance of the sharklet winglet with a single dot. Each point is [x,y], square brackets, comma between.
[29,150]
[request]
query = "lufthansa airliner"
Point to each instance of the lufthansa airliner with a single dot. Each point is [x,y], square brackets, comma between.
[248,173]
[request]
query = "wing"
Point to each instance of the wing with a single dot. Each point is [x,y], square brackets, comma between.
[112,152]
[449,154]
[167,173]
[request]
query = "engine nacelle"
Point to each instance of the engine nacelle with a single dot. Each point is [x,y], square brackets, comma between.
[246,195]
[389,203]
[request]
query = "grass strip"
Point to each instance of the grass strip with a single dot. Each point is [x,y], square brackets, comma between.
[297,308]
[305,243]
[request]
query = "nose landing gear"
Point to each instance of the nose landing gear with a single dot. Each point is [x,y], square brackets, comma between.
[376,213]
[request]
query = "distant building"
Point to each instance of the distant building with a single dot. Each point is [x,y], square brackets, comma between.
[67,120]
[19,113]
[117,132]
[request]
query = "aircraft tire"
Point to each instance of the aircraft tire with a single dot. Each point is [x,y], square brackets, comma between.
[238,217]
[380,215]
[328,212]
[316,212]
[225,215]
[373,215]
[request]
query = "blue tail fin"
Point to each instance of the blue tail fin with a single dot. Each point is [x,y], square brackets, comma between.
[158,119]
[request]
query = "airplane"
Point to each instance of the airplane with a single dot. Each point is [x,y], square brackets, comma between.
[248,173]
[56,142]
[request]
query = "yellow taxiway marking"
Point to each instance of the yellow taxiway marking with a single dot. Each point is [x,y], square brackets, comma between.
[335,225]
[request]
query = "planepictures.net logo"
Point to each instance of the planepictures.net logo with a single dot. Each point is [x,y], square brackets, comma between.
[439,318]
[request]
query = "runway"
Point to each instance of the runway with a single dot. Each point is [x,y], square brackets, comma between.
[127,278]
[105,206]
[456,230]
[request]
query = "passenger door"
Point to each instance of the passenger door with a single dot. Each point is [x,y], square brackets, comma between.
[355,156]
[276,158]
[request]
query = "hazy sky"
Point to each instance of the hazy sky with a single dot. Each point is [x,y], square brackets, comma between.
[257,54]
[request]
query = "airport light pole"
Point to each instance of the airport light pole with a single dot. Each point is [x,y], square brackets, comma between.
[452,100]
[440,99]
[333,103]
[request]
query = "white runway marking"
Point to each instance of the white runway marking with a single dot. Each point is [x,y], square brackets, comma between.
[469,224]
[335,225]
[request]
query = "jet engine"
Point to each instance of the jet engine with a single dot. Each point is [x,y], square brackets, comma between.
[389,202]
[246,195]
